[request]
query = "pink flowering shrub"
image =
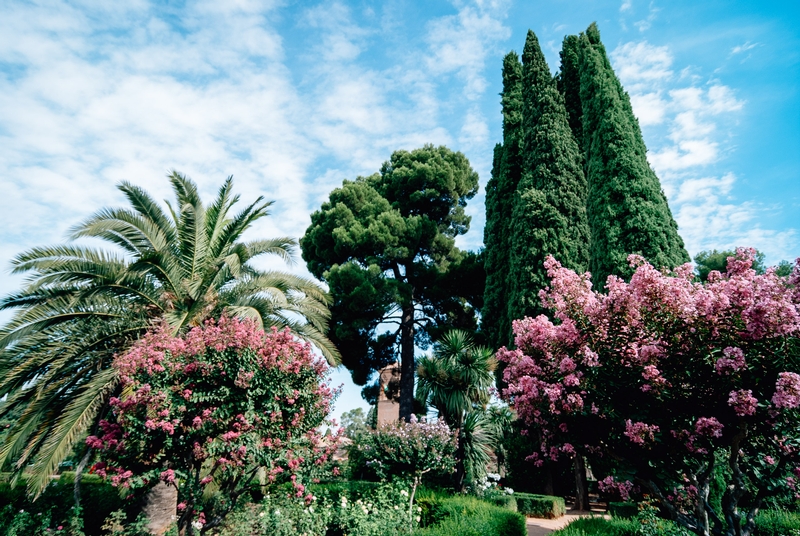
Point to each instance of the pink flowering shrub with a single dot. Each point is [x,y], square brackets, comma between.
[216,406]
[663,375]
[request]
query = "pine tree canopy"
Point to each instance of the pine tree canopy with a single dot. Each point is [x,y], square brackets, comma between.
[385,245]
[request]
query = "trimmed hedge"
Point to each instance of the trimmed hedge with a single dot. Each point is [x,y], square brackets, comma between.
[468,516]
[545,506]
[623,509]
[509,502]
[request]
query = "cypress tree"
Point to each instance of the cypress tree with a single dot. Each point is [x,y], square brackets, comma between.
[628,211]
[549,208]
[506,172]
[569,84]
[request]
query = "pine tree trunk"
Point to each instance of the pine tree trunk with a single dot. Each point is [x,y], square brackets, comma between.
[407,368]
[581,494]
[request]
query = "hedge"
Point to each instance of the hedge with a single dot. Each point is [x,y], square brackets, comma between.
[777,523]
[468,516]
[545,506]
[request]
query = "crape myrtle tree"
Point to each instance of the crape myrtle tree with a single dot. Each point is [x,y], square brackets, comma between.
[385,245]
[216,413]
[666,379]
[81,305]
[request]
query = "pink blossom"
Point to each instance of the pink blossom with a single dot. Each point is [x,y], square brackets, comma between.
[168,476]
[733,361]
[787,391]
[709,427]
[743,402]
[638,432]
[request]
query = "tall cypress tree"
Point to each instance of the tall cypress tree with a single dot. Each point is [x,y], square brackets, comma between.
[549,207]
[628,211]
[506,172]
[569,84]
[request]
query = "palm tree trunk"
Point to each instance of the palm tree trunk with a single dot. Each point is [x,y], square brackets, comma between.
[407,368]
[460,469]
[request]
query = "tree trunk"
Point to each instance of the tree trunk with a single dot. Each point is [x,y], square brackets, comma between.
[76,489]
[160,507]
[548,479]
[581,494]
[460,468]
[407,368]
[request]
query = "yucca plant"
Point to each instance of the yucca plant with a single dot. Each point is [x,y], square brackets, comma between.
[456,380]
[81,306]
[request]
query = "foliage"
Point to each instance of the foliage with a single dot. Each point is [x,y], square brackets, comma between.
[372,511]
[506,174]
[385,245]
[82,305]
[456,381]
[665,375]
[55,506]
[549,205]
[354,423]
[777,523]
[212,410]
[598,526]
[468,516]
[117,524]
[709,260]
[627,209]
[545,506]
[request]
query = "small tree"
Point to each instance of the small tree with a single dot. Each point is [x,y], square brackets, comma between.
[412,449]
[666,378]
[218,406]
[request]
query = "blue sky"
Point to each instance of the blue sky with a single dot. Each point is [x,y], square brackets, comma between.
[292,97]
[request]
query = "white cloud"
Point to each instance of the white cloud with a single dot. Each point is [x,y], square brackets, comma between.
[695,118]
[744,47]
[626,5]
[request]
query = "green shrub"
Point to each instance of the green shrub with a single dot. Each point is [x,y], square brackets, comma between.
[18,515]
[509,502]
[623,509]
[777,523]
[598,526]
[545,506]
[468,516]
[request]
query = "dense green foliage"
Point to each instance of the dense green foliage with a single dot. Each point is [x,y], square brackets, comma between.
[709,260]
[468,516]
[628,211]
[456,380]
[385,245]
[545,506]
[500,190]
[548,215]
[82,305]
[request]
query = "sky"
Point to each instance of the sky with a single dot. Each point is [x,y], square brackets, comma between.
[291,97]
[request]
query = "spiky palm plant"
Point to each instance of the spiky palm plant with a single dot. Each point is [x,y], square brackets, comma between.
[81,306]
[456,380]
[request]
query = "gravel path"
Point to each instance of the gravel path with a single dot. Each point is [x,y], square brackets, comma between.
[543,527]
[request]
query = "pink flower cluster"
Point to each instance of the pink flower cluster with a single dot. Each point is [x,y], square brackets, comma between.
[709,427]
[787,390]
[733,361]
[638,432]
[610,486]
[743,402]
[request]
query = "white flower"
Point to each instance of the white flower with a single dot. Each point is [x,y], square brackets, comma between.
[277,512]
[396,507]
[197,525]
[404,493]
[509,491]
[418,518]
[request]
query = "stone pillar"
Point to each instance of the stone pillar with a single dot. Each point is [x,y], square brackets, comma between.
[389,394]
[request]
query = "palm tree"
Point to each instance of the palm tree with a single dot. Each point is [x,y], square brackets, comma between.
[82,305]
[456,380]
